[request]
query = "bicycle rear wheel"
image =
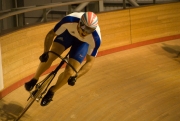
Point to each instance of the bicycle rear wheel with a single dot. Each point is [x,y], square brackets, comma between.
[46,81]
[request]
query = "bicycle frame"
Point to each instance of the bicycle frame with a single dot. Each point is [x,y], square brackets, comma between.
[41,87]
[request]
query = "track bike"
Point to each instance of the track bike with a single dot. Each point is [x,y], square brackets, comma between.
[42,87]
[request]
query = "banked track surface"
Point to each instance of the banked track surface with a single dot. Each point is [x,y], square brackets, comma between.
[139,84]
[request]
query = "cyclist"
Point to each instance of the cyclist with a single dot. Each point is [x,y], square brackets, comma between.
[81,32]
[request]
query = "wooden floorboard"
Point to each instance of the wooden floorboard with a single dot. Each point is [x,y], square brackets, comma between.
[139,84]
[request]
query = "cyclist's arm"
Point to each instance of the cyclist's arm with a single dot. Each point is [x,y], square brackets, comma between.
[48,40]
[87,66]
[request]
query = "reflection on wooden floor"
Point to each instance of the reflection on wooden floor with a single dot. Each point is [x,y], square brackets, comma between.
[140,84]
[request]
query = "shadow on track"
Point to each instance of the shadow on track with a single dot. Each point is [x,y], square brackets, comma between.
[9,112]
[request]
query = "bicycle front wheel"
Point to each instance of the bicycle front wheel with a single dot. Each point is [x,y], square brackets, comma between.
[40,89]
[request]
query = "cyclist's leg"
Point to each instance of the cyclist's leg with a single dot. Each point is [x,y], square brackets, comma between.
[43,66]
[77,55]
[58,46]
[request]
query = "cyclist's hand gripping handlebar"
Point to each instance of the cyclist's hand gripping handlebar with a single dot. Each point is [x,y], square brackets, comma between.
[72,80]
[44,57]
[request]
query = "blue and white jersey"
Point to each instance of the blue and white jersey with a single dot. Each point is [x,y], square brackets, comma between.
[70,23]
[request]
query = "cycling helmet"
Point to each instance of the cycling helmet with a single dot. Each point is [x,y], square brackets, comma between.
[88,22]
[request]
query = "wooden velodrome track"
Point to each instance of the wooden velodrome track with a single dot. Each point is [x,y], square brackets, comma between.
[140,84]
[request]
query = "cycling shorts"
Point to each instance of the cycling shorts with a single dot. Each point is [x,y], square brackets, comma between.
[78,49]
